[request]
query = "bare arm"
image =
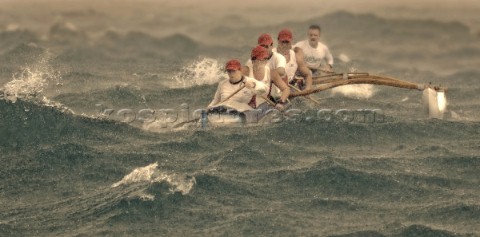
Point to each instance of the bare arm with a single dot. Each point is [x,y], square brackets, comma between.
[245,71]
[329,57]
[280,65]
[277,80]
[302,67]
[281,71]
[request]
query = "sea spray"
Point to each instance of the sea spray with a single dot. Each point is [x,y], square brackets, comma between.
[344,58]
[151,174]
[203,71]
[31,80]
[363,91]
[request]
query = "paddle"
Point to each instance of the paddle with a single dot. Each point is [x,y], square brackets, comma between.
[307,96]
[231,95]
[268,100]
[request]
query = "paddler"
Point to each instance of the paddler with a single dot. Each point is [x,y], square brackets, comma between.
[295,60]
[260,69]
[275,61]
[316,52]
[236,92]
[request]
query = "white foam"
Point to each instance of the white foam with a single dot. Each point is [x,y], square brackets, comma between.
[363,91]
[150,174]
[454,115]
[344,58]
[12,27]
[142,174]
[204,71]
[70,26]
[30,81]
[159,126]
[24,84]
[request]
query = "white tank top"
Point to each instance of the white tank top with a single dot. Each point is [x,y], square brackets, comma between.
[266,79]
[291,66]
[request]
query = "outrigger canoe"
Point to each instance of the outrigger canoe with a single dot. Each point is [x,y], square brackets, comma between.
[434,97]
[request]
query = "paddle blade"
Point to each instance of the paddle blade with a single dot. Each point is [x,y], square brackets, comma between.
[435,103]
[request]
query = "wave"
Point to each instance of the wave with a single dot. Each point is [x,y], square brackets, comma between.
[339,181]
[88,98]
[15,37]
[140,190]
[464,165]
[87,95]
[350,24]
[469,53]
[63,156]
[245,157]
[329,204]
[8,230]
[150,174]
[365,28]
[76,75]
[324,133]
[390,131]
[462,212]
[24,54]
[73,44]
[408,231]
[214,185]
[422,230]
[67,33]
[97,208]
[434,182]
[361,234]
[26,123]
[132,47]
[462,78]
[141,44]
[86,55]
[89,12]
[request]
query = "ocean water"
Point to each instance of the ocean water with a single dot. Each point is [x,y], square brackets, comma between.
[81,155]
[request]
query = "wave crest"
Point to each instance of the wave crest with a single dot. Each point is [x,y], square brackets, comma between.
[150,174]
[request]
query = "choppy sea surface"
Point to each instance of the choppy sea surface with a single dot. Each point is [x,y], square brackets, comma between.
[79,159]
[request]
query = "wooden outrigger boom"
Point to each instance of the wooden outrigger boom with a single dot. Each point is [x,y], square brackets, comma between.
[433,96]
[335,80]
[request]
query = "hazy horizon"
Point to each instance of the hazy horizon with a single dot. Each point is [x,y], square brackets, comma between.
[39,12]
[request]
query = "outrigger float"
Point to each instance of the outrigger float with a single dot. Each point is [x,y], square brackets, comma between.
[434,97]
